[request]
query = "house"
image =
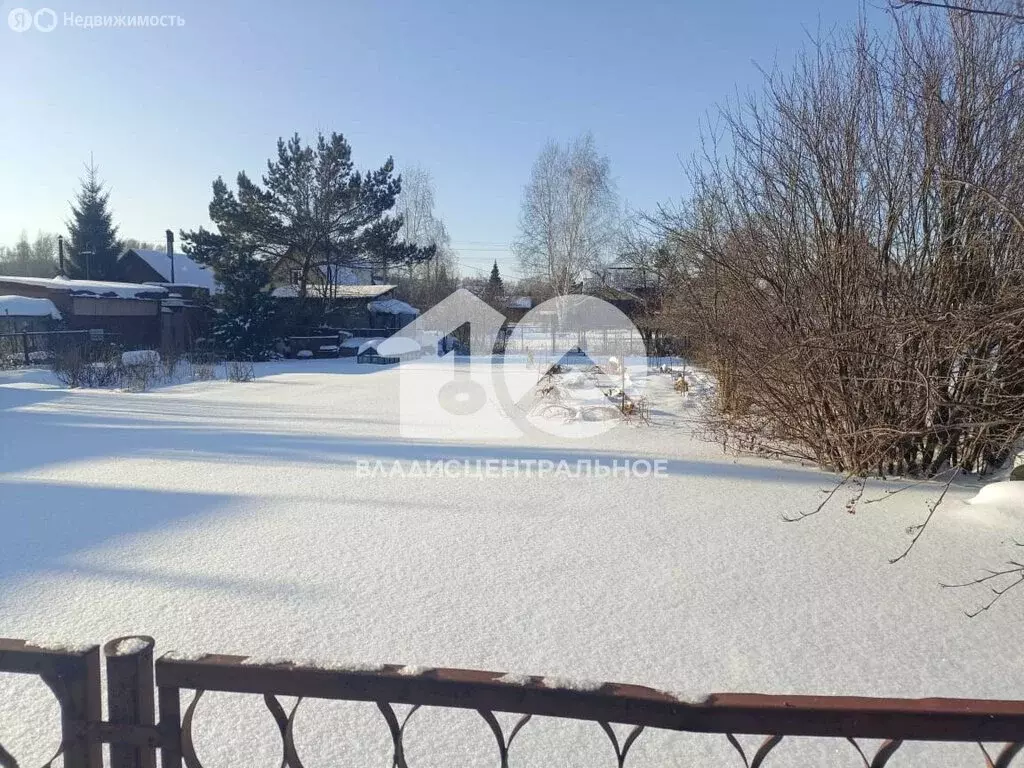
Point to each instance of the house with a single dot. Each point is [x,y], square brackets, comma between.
[322,281]
[130,310]
[356,308]
[137,265]
[516,307]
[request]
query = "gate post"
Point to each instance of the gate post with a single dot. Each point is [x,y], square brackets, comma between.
[74,677]
[130,696]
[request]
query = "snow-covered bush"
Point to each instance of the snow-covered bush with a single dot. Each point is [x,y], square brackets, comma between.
[140,357]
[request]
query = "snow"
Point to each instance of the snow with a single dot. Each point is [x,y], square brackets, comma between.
[61,644]
[368,344]
[1008,495]
[130,645]
[571,684]
[338,291]
[413,670]
[23,306]
[398,345]
[511,678]
[186,271]
[140,357]
[90,287]
[222,518]
[392,307]
[185,656]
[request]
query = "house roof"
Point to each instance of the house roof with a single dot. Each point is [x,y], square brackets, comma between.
[99,288]
[23,306]
[186,271]
[339,291]
[392,307]
[361,291]
[519,302]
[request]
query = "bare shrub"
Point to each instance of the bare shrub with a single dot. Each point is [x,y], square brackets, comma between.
[201,365]
[140,377]
[140,369]
[85,365]
[171,359]
[70,366]
[855,261]
[240,370]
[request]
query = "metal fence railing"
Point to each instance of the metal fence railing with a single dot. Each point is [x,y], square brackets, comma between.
[144,712]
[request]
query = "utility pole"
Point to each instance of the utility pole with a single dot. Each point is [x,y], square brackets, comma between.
[88,262]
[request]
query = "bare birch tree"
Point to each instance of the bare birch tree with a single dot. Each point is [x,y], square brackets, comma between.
[569,214]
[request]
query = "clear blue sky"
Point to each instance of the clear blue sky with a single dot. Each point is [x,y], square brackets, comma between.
[469,90]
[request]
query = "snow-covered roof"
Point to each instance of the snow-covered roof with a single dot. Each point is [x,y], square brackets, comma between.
[23,306]
[519,302]
[186,271]
[392,307]
[89,287]
[369,344]
[361,291]
[398,345]
[338,291]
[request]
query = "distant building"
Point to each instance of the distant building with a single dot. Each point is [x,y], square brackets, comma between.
[321,281]
[137,265]
[516,308]
[22,313]
[356,307]
[130,310]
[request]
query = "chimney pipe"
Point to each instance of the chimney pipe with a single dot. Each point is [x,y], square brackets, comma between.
[60,254]
[170,251]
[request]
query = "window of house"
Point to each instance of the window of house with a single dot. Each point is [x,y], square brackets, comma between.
[296,276]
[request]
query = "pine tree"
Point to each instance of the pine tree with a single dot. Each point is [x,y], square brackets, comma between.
[93,243]
[245,324]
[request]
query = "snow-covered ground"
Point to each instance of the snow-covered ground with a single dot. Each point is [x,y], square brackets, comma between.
[232,518]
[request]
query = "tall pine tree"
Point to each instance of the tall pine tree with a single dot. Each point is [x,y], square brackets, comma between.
[93,243]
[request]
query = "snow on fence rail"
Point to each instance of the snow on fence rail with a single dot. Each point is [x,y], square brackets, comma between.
[135,732]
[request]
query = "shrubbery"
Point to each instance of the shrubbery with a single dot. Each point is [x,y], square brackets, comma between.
[854,266]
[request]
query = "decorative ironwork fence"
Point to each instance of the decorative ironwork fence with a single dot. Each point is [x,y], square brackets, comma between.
[135,735]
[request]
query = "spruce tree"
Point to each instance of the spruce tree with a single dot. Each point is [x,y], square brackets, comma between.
[92,241]
[495,287]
